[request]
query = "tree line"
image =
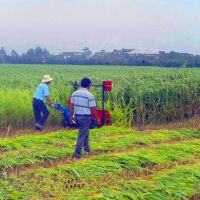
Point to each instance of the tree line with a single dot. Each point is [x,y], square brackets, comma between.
[39,55]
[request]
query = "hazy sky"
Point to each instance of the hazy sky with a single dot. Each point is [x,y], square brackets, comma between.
[69,25]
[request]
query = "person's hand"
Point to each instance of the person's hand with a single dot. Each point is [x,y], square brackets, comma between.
[52,105]
[72,120]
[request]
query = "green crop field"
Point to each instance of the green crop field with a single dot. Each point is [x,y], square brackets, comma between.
[125,165]
[140,94]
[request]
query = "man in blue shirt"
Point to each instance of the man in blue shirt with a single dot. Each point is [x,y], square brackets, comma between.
[82,107]
[42,93]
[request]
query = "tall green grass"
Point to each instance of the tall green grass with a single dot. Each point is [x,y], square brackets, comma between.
[140,95]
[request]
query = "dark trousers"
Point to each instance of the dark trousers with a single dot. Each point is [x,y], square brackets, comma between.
[41,112]
[83,134]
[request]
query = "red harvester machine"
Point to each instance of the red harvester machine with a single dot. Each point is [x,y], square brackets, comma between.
[103,114]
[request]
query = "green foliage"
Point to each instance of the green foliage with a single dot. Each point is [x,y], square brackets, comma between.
[67,180]
[178,183]
[129,165]
[140,95]
[35,149]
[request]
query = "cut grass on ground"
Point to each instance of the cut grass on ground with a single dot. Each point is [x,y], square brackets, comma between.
[16,153]
[54,181]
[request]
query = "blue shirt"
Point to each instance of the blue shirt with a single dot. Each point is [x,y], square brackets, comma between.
[42,92]
[83,100]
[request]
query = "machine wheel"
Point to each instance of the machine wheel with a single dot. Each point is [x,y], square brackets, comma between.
[65,123]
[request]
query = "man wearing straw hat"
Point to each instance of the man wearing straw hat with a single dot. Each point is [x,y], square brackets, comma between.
[42,93]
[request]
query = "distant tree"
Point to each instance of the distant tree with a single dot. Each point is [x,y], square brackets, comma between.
[38,52]
[45,52]
[30,52]
[196,60]
[2,51]
[41,56]
[3,55]
[14,53]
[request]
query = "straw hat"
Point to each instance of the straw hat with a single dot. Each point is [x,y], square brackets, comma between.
[46,79]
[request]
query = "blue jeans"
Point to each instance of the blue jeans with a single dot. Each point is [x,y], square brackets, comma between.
[83,122]
[41,112]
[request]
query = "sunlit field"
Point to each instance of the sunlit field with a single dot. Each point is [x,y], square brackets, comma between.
[126,163]
[140,94]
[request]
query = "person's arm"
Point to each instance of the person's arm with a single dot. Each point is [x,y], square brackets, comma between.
[72,109]
[71,113]
[48,97]
[93,109]
[95,115]
[49,100]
